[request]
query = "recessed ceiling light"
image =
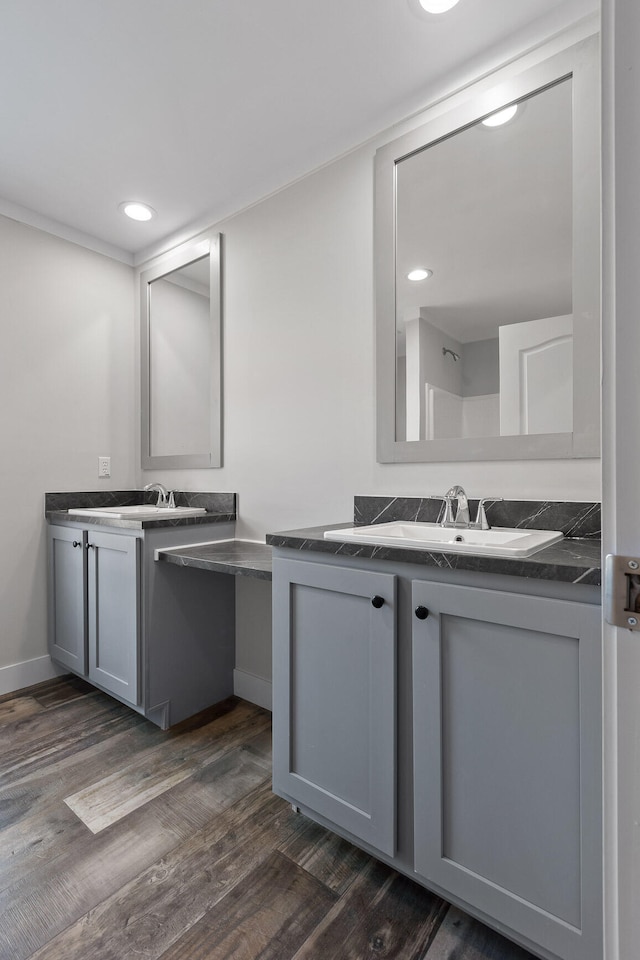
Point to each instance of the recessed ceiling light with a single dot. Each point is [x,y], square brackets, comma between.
[502,116]
[136,210]
[437,6]
[420,273]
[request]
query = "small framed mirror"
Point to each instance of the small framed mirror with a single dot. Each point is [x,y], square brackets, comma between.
[487,272]
[181,356]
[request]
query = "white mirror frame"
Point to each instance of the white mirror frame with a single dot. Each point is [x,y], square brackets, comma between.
[580,62]
[205,243]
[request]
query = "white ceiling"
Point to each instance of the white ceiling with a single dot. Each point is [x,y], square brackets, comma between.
[201,107]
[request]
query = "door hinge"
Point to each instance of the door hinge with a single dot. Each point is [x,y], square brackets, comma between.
[622,591]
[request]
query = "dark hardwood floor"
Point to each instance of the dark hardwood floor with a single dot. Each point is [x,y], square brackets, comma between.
[119,841]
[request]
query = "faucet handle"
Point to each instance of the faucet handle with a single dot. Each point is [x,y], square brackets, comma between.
[172,500]
[447,502]
[481,522]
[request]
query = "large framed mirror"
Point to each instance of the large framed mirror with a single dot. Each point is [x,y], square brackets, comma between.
[487,272]
[181,354]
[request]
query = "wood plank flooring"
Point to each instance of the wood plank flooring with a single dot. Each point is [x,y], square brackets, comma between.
[119,841]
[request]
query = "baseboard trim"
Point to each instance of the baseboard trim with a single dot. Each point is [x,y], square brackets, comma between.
[27,673]
[254,689]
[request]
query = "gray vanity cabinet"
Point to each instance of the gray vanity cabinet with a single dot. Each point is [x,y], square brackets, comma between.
[334,695]
[94,607]
[506,741]
[454,730]
[159,637]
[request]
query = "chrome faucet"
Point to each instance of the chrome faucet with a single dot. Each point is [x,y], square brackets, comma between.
[462,519]
[163,496]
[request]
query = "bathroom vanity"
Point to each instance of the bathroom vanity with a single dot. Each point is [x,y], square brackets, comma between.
[443,711]
[160,639]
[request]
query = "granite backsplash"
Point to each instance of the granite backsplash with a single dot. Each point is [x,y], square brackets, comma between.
[218,503]
[576,520]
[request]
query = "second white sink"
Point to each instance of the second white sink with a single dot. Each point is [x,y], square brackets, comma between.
[139,511]
[496,542]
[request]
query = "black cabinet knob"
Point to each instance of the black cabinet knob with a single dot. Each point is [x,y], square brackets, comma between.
[89,546]
[377,602]
[77,543]
[422,613]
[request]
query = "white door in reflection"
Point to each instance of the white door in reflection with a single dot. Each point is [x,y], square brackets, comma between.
[536,376]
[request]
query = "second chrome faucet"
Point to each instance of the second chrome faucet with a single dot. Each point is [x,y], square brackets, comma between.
[165,498]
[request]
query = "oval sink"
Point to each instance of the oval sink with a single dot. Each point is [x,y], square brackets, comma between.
[497,542]
[140,511]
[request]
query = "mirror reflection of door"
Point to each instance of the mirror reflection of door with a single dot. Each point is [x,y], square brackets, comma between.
[488,211]
[179,361]
[536,376]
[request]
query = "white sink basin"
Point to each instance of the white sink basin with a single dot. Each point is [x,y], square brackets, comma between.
[414,535]
[139,511]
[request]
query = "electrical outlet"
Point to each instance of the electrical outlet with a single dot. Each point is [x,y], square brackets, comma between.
[104,467]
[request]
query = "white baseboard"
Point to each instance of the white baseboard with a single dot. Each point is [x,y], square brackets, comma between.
[27,673]
[254,689]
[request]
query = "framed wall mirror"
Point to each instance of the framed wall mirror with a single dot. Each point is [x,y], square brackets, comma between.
[487,272]
[181,355]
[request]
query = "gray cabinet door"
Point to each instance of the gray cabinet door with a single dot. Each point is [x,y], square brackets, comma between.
[334,701]
[114,613]
[507,760]
[67,622]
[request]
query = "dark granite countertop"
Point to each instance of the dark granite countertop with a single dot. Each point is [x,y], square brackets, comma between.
[576,560]
[242,558]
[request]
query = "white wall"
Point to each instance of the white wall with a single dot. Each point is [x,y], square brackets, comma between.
[67,379]
[299,425]
[299,387]
[299,418]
